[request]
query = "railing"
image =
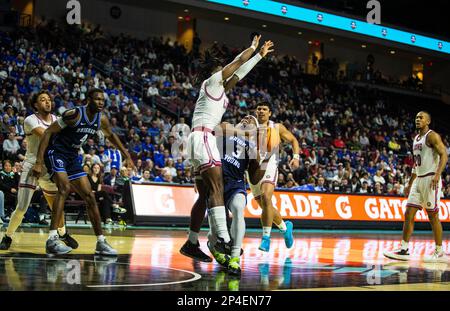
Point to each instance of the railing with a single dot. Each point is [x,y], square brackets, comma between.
[25,20]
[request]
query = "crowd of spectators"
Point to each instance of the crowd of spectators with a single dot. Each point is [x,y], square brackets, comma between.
[353,139]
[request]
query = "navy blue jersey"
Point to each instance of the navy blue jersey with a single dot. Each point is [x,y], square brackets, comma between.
[235,157]
[71,138]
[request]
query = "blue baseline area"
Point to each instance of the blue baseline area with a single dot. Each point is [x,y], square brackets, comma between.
[339,22]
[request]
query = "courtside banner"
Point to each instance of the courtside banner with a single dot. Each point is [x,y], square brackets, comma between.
[177,201]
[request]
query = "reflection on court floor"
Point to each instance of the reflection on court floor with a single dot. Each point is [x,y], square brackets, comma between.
[150,260]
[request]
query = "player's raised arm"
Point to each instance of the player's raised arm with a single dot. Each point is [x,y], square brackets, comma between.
[115,140]
[245,68]
[229,69]
[69,118]
[435,141]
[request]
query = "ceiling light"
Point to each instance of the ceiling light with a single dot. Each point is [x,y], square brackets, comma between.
[264,26]
[227,18]
[392,52]
[300,33]
[186,11]
[363,46]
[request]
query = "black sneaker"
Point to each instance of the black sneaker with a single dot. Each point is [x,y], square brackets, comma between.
[6,243]
[193,251]
[222,247]
[69,241]
[397,254]
[43,222]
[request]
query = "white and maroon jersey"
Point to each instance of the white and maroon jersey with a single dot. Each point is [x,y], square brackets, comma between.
[426,159]
[211,103]
[31,122]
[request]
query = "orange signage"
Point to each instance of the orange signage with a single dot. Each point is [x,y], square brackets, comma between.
[163,200]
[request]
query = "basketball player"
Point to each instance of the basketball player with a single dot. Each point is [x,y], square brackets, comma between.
[68,133]
[202,149]
[239,155]
[263,190]
[424,188]
[35,125]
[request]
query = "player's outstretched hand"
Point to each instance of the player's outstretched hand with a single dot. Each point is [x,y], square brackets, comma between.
[36,171]
[266,48]
[294,164]
[255,42]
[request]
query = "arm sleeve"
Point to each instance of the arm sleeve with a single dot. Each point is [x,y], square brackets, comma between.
[245,68]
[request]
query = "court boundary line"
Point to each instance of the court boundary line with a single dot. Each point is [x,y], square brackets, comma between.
[196,276]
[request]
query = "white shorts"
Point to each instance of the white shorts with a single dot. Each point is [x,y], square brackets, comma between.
[202,151]
[270,176]
[421,195]
[30,182]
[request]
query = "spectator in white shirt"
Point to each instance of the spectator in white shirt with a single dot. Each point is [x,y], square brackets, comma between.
[379,178]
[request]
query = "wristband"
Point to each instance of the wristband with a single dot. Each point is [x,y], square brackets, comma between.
[253,47]
[296,156]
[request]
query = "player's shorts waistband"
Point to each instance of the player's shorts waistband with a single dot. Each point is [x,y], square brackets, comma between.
[203,129]
[426,175]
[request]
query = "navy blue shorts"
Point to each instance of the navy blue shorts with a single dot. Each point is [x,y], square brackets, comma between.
[231,188]
[59,162]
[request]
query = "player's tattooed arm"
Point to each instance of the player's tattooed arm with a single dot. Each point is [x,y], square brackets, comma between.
[434,141]
[114,139]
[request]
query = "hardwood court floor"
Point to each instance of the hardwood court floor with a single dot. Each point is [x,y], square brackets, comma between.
[150,260]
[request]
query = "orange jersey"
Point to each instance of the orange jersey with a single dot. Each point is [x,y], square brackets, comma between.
[272,137]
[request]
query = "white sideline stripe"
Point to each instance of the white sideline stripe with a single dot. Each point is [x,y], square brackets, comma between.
[195,277]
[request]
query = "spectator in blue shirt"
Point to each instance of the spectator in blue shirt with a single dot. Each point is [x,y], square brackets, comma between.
[115,156]
[165,176]
[310,186]
[158,157]
[320,185]
[154,129]
[147,145]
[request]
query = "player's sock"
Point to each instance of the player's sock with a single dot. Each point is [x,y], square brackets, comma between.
[14,222]
[439,249]
[404,245]
[282,226]
[101,238]
[266,231]
[219,220]
[193,237]
[62,231]
[236,251]
[52,234]
[237,206]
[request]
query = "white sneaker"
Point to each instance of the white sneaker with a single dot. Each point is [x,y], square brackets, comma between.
[119,210]
[397,254]
[436,257]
